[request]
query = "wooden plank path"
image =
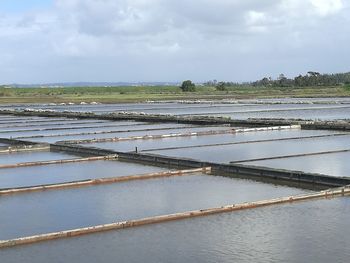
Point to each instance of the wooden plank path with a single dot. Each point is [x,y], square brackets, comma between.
[99,181]
[331,193]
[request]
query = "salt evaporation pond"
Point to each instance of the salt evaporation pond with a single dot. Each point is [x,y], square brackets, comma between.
[314,114]
[20,157]
[69,125]
[316,231]
[124,134]
[240,152]
[335,164]
[49,211]
[150,145]
[132,127]
[59,173]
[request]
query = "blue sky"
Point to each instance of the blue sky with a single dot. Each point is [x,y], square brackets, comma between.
[17,6]
[166,40]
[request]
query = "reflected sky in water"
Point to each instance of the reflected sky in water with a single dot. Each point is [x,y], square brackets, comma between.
[59,173]
[49,211]
[239,152]
[20,157]
[203,140]
[336,164]
[314,231]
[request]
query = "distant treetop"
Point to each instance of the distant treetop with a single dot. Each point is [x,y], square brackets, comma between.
[188,86]
[312,78]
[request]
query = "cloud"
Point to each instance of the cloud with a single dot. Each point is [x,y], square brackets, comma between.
[143,40]
[327,7]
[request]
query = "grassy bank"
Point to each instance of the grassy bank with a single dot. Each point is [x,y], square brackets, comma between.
[143,93]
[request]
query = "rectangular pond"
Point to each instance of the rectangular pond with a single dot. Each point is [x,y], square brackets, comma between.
[331,113]
[69,125]
[315,231]
[227,109]
[59,173]
[127,133]
[240,152]
[196,141]
[32,124]
[335,164]
[101,128]
[32,119]
[20,157]
[42,212]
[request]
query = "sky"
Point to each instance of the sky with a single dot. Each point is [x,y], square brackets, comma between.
[46,41]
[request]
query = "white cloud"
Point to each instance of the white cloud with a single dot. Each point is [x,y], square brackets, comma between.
[327,7]
[171,40]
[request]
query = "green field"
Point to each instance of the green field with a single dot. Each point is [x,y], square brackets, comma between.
[143,93]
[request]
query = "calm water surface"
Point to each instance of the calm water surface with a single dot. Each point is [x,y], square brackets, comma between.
[315,231]
[204,140]
[42,212]
[117,129]
[336,164]
[58,173]
[240,152]
[20,157]
[126,134]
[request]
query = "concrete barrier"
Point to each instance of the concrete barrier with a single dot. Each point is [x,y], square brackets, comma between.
[306,124]
[331,193]
[19,142]
[249,171]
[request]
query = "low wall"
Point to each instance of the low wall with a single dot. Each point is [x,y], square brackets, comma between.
[19,142]
[306,124]
[246,170]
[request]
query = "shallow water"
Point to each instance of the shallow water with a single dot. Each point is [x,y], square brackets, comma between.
[125,134]
[144,145]
[321,114]
[43,212]
[59,173]
[47,123]
[227,153]
[33,119]
[70,125]
[20,157]
[101,128]
[315,231]
[335,164]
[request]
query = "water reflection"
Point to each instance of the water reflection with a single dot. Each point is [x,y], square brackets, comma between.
[336,164]
[315,231]
[43,212]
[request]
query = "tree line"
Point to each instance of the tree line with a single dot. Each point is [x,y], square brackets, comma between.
[312,78]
